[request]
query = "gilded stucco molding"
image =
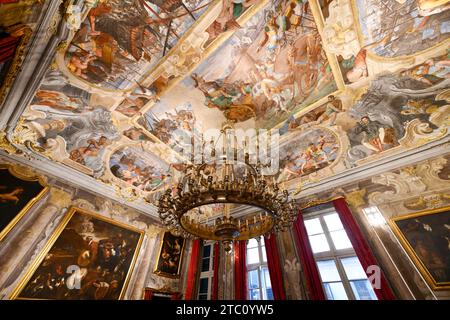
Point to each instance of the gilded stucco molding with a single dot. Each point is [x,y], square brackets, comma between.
[5,145]
[409,181]
[356,199]
[60,198]
[430,201]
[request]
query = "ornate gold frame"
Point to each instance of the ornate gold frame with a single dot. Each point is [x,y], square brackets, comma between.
[16,64]
[24,174]
[406,245]
[164,274]
[54,237]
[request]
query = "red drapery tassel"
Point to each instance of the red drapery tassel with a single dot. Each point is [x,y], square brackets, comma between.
[306,255]
[361,247]
[215,289]
[192,271]
[273,262]
[240,270]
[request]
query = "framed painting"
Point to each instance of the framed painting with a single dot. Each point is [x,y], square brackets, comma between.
[425,236]
[168,262]
[88,257]
[19,191]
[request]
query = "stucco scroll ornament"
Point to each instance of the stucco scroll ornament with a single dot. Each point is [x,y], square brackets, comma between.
[417,132]
[292,269]
[429,172]
[73,16]
[24,135]
[5,144]
[185,57]
[339,32]
[404,183]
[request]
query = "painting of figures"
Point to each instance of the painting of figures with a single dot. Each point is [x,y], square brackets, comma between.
[135,102]
[65,117]
[307,152]
[324,114]
[121,40]
[89,257]
[425,236]
[173,127]
[16,198]
[141,169]
[401,109]
[270,68]
[170,257]
[403,27]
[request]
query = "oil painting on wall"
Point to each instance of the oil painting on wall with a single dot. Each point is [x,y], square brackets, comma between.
[170,256]
[89,257]
[425,236]
[17,196]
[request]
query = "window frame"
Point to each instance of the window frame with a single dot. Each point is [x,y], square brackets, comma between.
[207,274]
[258,267]
[333,254]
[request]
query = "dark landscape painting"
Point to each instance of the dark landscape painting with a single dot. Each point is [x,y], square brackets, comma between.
[426,237]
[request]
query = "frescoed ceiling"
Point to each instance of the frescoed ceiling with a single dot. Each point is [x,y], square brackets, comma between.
[346,83]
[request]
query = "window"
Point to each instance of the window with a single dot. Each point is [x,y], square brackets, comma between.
[259,285]
[342,274]
[374,216]
[207,272]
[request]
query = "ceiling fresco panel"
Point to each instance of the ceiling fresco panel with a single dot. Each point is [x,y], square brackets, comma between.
[270,68]
[393,28]
[270,64]
[121,40]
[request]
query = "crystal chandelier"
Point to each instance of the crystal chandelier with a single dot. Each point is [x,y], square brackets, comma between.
[225,179]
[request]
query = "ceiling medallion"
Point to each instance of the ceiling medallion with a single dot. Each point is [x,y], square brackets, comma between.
[230,178]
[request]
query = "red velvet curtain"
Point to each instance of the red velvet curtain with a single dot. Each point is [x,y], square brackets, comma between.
[215,289]
[240,270]
[361,247]
[148,294]
[192,271]
[273,262]
[8,47]
[175,296]
[8,1]
[309,265]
